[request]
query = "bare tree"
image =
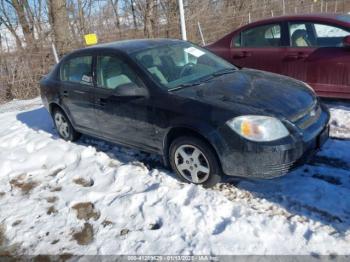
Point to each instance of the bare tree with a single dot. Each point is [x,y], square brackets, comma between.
[9,19]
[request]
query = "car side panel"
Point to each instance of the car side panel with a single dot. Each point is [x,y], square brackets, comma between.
[78,100]
[329,71]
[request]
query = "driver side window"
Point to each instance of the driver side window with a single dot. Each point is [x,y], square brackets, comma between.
[112,73]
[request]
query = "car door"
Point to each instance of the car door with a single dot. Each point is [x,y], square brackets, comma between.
[125,119]
[317,56]
[76,90]
[260,47]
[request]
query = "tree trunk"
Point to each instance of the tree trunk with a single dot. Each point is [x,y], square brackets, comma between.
[59,22]
[115,8]
[149,18]
[81,18]
[27,28]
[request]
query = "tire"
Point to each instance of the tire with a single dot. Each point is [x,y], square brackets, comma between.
[64,127]
[194,161]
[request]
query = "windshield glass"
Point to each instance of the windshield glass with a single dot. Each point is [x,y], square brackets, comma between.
[179,64]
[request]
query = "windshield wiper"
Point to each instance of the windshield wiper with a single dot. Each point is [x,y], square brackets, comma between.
[184,86]
[205,79]
[225,71]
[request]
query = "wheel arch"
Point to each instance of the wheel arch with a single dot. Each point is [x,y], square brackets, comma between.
[179,131]
[55,105]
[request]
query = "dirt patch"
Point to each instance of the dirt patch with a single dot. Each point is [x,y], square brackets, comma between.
[124,232]
[155,226]
[84,182]
[5,250]
[85,236]
[2,194]
[52,199]
[51,210]
[56,189]
[65,256]
[55,242]
[2,235]
[24,186]
[86,211]
[16,223]
[106,223]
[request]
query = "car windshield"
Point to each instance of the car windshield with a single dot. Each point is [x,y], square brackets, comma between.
[181,64]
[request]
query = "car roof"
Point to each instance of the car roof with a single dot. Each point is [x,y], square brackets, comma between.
[130,46]
[324,17]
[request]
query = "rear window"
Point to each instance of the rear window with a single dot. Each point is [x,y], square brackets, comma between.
[344,18]
[260,36]
[77,70]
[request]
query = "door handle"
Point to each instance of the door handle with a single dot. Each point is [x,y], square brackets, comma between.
[292,56]
[65,93]
[243,54]
[302,55]
[295,56]
[79,92]
[102,101]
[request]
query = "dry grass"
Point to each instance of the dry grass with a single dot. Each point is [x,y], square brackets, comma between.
[86,210]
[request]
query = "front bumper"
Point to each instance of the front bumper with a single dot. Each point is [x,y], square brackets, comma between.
[243,158]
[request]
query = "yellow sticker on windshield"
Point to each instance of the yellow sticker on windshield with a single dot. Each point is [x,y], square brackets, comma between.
[91,39]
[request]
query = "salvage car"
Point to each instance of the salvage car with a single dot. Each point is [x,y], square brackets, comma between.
[312,48]
[204,116]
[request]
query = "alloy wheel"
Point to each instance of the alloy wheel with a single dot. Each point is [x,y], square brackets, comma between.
[62,125]
[192,164]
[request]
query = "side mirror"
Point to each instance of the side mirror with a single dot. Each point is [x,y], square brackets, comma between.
[131,90]
[346,41]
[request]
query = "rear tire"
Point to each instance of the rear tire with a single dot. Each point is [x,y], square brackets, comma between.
[194,161]
[64,127]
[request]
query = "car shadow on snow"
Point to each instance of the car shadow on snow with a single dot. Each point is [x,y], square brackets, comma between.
[40,120]
[318,191]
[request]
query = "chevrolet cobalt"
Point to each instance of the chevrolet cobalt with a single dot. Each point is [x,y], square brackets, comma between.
[204,116]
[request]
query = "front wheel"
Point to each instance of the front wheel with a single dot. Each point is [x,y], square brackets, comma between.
[64,127]
[194,161]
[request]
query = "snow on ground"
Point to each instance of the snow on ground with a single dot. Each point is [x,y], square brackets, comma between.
[93,197]
[340,119]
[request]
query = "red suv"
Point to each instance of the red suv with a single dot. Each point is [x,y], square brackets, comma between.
[312,48]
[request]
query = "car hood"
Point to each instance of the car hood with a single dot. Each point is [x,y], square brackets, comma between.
[258,91]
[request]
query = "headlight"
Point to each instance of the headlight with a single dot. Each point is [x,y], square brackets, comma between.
[258,128]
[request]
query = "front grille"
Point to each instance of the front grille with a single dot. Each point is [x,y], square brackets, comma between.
[275,170]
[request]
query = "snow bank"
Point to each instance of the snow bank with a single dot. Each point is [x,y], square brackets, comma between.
[92,197]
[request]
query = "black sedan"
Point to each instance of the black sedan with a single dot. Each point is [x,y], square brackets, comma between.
[203,115]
